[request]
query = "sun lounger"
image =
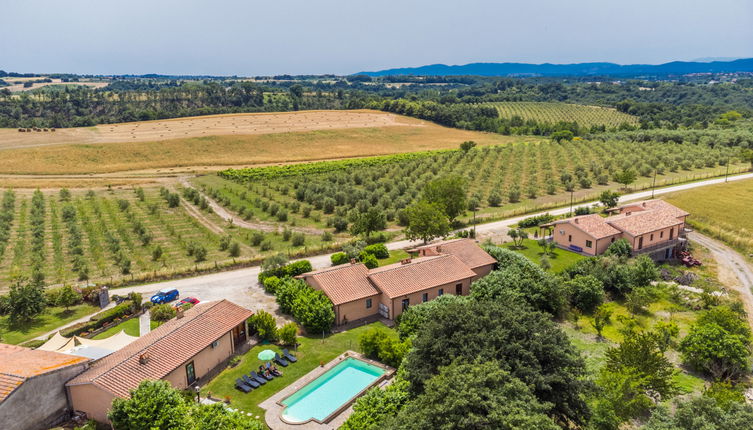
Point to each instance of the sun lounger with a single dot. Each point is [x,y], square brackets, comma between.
[251,382]
[281,361]
[288,356]
[260,379]
[273,372]
[239,384]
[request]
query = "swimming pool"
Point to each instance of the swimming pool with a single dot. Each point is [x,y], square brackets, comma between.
[331,391]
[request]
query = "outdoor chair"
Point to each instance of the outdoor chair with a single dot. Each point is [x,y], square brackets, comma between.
[251,382]
[260,379]
[288,356]
[281,361]
[278,374]
[239,384]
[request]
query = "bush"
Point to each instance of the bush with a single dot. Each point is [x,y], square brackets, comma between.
[586,292]
[256,238]
[288,333]
[620,248]
[313,310]
[298,239]
[381,345]
[536,221]
[287,292]
[265,325]
[163,312]
[370,261]
[339,258]
[378,250]
[234,250]
[271,283]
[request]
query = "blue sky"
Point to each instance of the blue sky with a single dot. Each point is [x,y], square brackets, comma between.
[228,37]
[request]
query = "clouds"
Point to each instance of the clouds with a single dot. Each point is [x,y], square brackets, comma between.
[250,37]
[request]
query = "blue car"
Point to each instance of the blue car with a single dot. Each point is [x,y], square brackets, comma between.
[164,296]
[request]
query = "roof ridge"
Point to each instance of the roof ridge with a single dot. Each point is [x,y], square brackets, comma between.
[418,261]
[175,327]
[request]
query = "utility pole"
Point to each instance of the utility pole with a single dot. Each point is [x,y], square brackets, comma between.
[571,203]
[726,175]
[653,186]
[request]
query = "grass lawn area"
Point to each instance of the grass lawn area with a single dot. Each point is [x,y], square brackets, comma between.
[131,327]
[394,257]
[52,318]
[311,352]
[560,259]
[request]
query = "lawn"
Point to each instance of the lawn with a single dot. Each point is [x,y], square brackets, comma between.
[312,351]
[131,327]
[52,318]
[721,211]
[560,258]
[394,257]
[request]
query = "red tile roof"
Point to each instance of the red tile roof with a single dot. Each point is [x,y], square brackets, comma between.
[593,225]
[638,223]
[344,283]
[465,249]
[168,347]
[18,364]
[399,279]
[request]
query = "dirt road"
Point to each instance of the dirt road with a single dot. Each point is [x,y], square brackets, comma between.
[735,263]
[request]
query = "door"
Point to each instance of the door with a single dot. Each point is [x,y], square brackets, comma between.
[640,242]
[671,233]
[406,303]
[239,334]
[459,289]
[190,373]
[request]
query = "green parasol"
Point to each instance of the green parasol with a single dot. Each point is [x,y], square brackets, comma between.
[266,355]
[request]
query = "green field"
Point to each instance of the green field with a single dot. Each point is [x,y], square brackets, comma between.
[110,237]
[552,112]
[310,353]
[49,320]
[131,327]
[560,258]
[521,176]
[722,211]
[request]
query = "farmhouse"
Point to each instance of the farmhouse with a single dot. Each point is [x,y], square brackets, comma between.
[182,351]
[652,227]
[444,268]
[32,386]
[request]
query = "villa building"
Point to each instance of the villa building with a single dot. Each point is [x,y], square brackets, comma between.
[182,351]
[357,292]
[652,227]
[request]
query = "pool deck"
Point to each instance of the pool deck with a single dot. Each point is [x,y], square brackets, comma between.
[274,407]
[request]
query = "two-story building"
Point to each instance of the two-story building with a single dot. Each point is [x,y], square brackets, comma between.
[357,292]
[652,227]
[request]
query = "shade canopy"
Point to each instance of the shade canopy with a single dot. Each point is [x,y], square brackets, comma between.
[266,355]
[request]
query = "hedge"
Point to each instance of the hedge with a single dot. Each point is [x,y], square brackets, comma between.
[289,270]
[97,321]
[536,221]
[378,250]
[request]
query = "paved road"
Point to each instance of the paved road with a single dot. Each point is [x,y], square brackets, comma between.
[736,264]
[240,286]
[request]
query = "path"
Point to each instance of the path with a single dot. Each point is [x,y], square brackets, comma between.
[240,222]
[80,320]
[736,264]
[241,286]
[145,324]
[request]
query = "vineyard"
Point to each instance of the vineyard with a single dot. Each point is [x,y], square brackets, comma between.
[328,195]
[122,235]
[551,113]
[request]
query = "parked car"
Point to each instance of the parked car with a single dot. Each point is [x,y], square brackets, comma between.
[187,301]
[164,296]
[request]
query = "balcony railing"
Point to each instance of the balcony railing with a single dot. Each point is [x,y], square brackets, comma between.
[658,246]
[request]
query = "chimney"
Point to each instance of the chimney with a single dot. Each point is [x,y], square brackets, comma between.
[644,204]
[627,213]
[179,313]
[405,261]
[576,221]
[144,358]
[352,261]
[439,249]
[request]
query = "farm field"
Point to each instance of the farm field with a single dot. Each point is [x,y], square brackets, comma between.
[284,137]
[552,112]
[112,237]
[721,211]
[500,179]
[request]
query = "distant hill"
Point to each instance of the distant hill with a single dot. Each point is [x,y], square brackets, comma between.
[578,69]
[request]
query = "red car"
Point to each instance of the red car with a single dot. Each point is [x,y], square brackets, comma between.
[187,301]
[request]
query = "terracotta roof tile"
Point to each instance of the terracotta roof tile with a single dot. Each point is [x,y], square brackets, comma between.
[638,223]
[465,249]
[398,279]
[344,283]
[593,225]
[18,364]
[168,346]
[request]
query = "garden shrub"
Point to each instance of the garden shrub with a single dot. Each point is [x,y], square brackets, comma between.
[288,333]
[265,325]
[163,312]
[378,250]
[370,261]
[338,258]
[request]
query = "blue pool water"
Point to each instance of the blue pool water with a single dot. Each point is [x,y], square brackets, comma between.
[325,394]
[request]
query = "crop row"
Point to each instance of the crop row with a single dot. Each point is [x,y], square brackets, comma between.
[552,113]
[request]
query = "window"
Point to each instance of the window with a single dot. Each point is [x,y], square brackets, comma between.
[406,303]
[440,292]
[190,373]
[569,237]
[425,297]
[589,244]
[612,241]
[459,289]
[640,242]
[216,343]
[368,303]
[651,238]
[661,234]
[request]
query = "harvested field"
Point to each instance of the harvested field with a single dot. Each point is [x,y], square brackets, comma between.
[210,125]
[361,133]
[35,85]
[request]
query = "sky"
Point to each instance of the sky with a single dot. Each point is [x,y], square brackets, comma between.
[251,38]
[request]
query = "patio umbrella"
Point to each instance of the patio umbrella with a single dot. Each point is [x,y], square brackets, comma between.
[266,355]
